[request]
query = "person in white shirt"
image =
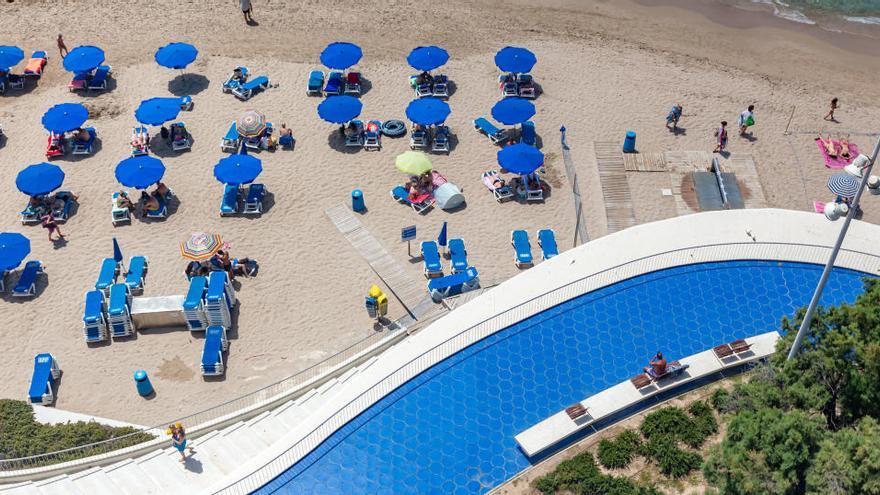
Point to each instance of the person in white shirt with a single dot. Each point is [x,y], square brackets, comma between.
[246,9]
[746,119]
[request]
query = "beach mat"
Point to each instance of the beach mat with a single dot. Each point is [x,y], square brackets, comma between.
[839,162]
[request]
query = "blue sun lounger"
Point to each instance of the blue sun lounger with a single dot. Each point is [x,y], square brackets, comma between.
[27,282]
[194,304]
[230,140]
[61,214]
[94,320]
[316,82]
[85,147]
[162,212]
[229,203]
[46,371]
[212,354]
[335,84]
[458,255]
[494,134]
[107,277]
[400,195]
[523,255]
[134,279]
[253,203]
[246,90]
[118,313]
[99,79]
[454,284]
[547,241]
[527,134]
[431,259]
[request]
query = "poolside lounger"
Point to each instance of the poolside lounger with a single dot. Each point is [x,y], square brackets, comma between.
[137,269]
[458,255]
[418,137]
[494,134]
[500,193]
[140,141]
[212,354]
[526,86]
[99,79]
[316,82]
[335,84]
[94,320]
[400,195]
[85,147]
[79,81]
[454,284]
[117,214]
[523,249]
[440,142]
[441,86]
[183,141]
[533,194]
[248,89]
[36,64]
[527,134]
[62,214]
[547,241]
[431,259]
[230,140]
[373,136]
[353,83]
[231,83]
[736,347]
[229,203]
[253,203]
[356,139]
[46,371]
[642,380]
[55,145]
[118,312]
[27,281]
[107,276]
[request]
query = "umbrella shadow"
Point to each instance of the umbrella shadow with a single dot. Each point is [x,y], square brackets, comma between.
[451,87]
[93,93]
[366,85]
[29,86]
[162,148]
[188,84]
[336,140]
[40,286]
[97,145]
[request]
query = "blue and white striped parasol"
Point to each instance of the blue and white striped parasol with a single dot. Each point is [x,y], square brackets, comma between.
[844,185]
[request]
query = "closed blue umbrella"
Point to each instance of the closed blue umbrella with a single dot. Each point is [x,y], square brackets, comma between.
[65,117]
[515,59]
[140,172]
[238,169]
[844,185]
[117,253]
[520,158]
[341,55]
[10,56]
[340,109]
[427,57]
[428,111]
[14,247]
[39,179]
[157,111]
[176,55]
[512,111]
[441,239]
[83,59]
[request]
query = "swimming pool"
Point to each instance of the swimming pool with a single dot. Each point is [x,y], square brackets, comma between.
[451,429]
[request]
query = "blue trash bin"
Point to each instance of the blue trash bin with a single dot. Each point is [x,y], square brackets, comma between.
[357,201]
[142,381]
[629,144]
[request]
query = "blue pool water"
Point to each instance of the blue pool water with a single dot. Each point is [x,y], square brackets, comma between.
[451,429]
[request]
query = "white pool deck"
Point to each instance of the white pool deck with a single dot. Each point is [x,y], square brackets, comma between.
[560,426]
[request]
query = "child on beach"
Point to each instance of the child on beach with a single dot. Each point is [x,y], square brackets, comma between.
[834,105]
[62,48]
[746,120]
[721,137]
[673,116]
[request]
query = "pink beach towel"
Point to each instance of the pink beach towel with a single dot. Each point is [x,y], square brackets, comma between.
[437,179]
[818,206]
[838,162]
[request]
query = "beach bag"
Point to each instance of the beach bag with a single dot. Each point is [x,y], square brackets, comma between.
[750,121]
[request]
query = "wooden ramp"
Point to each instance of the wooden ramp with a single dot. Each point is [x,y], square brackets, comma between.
[615,188]
[644,162]
[405,289]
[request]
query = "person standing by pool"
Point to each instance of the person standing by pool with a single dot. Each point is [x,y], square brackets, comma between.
[721,137]
[178,441]
[673,116]
[246,9]
[746,120]
[834,105]
[62,48]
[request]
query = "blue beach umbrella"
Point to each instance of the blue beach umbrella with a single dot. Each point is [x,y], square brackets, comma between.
[520,158]
[428,111]
[341,55]
[176,55]
[157,111]
[83,59]
[117,253]
[14,247]
[140,172]
[427,57]
[39,179]
[515,59]
[238,169]
[10,56]
[441,239]
[339,109]
[65,117]
[512,111]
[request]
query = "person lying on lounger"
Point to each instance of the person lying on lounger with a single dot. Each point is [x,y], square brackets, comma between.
[844,148]
[178,133]
[81,135]
[151,203]
[196,268]
[425,78]
[123,201]
[828,144]
[657,366]
[237,75]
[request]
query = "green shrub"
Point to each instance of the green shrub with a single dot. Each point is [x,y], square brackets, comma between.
[673,422]
[704,420]
[619,452]
[580,475]
[672,460]
[721,400]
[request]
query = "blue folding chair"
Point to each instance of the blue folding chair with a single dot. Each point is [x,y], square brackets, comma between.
[458,255]
[431,259]
[253,203]
[523,249]
[400,195]
[246,90]
[230,141]
[454,284]
[46,371]
[94,319]
[335,84]
[547,241]
[85,147]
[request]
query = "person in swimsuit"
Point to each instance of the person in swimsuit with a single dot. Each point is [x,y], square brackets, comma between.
[150,202]
[828,144]
[844,148]
[62,47]
[720,137]
[657,365]
[179,442]
[49,224]
[834,105]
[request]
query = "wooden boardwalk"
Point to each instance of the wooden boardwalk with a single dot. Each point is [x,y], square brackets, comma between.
[615,188]
[644,162]
[409,292]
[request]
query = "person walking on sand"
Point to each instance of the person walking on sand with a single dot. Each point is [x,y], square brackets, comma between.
[746,120]
[178,441]
[246,9]
[834,106]
[721,137]
[62,48]
[673,116]
[49,224]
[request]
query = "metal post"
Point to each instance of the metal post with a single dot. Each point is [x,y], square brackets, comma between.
[808,317]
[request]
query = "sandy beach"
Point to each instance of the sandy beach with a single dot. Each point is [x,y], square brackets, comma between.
[604,68]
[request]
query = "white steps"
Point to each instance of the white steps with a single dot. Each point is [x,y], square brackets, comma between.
[131,479]
[165,472]
[26,488]
[94,481]
[58,484]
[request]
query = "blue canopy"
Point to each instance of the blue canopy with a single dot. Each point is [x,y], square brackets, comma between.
[341,55]
[428,111]
[157,111]
[83,58]
[520,158]
[65,117]
[10,56]
[14,247]
[427,57]
[514,59]
[39,179]
[140,172]
[339,109]
[512,111]
[238,169]
[176,55]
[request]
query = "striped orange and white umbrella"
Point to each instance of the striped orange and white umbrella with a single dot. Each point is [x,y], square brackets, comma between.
[201,246]
[251,123]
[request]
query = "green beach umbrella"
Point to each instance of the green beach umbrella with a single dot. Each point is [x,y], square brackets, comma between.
[413,163]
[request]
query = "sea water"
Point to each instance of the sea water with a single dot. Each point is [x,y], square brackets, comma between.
[864,12]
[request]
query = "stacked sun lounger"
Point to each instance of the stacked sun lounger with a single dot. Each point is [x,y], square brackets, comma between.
[118,311]
[107,276]
[219,300]
[46,371]
[216,343]
[94,319]
[137,269]
[248,89]
[194,305]
[454,284]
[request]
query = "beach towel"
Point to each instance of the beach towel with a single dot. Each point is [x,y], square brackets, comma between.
[838,161]
[437,179]
[818,206]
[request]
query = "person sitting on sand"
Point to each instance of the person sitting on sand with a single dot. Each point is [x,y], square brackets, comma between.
[123,201]
[828,144]
[844,148]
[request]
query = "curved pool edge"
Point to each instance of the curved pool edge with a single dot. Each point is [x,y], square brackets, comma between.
[765,234]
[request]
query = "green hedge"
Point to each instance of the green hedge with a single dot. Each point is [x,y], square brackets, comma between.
[618,453]
[581,476]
